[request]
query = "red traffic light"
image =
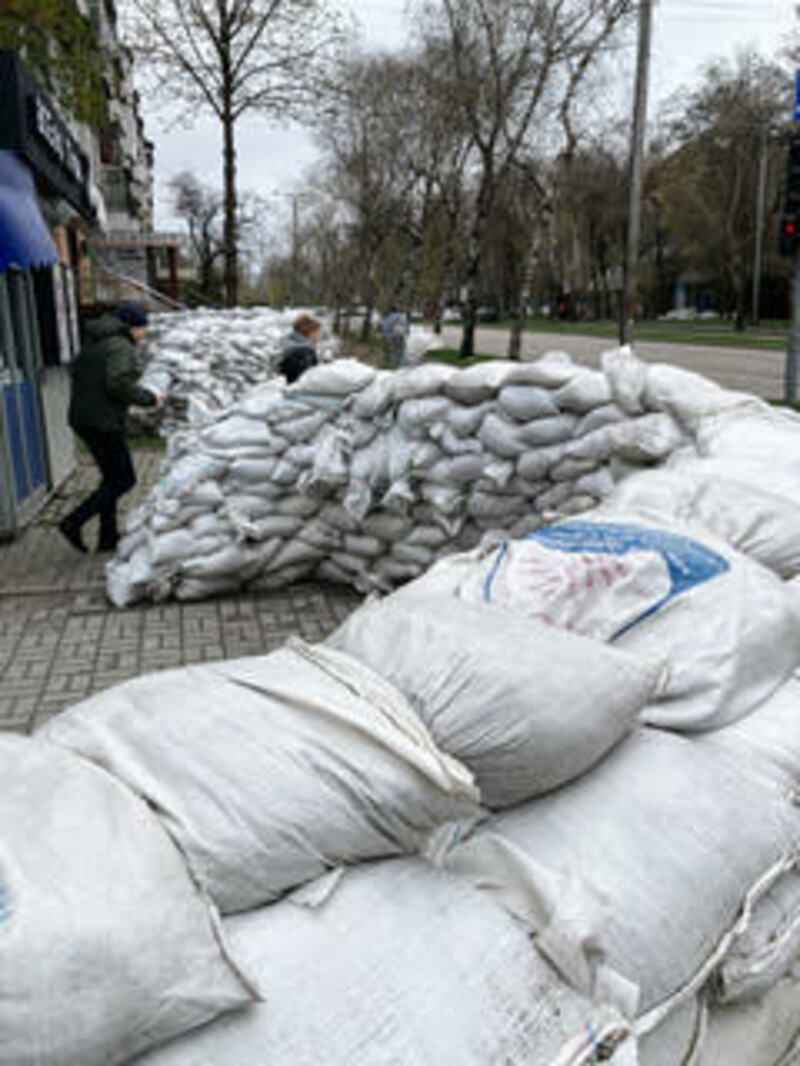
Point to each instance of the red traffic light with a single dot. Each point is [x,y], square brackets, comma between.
[788,235]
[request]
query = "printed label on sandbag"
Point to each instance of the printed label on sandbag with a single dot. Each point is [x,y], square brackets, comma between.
[600,579]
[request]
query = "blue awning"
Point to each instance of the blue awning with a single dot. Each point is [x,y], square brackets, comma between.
[25,240]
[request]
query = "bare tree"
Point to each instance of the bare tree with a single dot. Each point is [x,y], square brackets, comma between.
[231,57]
[708,180]
[201,210]
[365,171]
[515,68]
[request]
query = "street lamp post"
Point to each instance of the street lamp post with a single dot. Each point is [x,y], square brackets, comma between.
[630,275]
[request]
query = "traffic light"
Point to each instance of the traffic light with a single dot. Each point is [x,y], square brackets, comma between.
[788,235]
[790,218]
[791,199]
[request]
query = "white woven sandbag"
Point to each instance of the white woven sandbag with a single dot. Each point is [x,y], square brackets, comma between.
[402,964]
[545,431]
[637,842]
[600,444]
[234,432]
[341,378]
[550,371]
[205,497]
[416,415]
[251,471]
[106,946]
[388,527]
[495,508]
[479,382]
[553,497]
[466,421]
[460,470]
[420,381]
[526,402]
[270,770]
[649,439]
[502,436]
[606,415]
[760,523]
[525,706]
[183,476]
[451,442]
[305,428]
[760,1032]
[536,463]
[768,946]
[375,398]
[425,454]
[569,469]
[583,392]
[728,628]
[180,544]
[418,555]
[598,484]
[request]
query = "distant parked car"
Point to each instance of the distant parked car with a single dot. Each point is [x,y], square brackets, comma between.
[451,314]
[488,314]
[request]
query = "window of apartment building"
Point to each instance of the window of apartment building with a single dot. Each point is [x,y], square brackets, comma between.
[116,189]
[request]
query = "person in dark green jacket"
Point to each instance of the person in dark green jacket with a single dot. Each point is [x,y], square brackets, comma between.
[104,385]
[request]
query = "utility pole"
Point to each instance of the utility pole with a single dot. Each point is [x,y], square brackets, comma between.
[761,195]
[788,246]
[628,302]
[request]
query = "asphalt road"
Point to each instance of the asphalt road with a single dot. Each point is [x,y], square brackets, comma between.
[747,369]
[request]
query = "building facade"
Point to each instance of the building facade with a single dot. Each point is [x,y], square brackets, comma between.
[76,229]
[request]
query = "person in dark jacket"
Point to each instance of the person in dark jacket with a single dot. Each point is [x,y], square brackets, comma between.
[104,385]
[300,352]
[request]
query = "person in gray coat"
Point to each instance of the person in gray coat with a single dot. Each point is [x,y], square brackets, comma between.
[395,329]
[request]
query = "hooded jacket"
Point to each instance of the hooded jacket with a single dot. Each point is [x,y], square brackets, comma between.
[104,378]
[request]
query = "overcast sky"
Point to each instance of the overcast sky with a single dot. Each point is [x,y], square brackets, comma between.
[687,34]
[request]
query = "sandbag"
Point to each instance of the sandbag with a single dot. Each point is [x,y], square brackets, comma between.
[269,771]
[107,948]
[402,964]
[636,844]
[727,627]
[762,524]
[525,706]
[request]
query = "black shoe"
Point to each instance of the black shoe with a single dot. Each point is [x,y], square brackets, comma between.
[107,544]
[72,533]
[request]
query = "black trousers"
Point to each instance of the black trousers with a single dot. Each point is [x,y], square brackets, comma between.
[110,452]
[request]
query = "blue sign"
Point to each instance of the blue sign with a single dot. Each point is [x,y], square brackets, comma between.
[689,563]
[797,97]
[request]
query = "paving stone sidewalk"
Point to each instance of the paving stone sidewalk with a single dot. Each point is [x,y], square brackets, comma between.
[60,639]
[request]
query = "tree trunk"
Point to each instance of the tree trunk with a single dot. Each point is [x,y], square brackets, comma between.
[515,337]
[470,309]
[229,183]
[467,349]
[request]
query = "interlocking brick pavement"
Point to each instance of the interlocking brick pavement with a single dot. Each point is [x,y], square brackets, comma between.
[60,639]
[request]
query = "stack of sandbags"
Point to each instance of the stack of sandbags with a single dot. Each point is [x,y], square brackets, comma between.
[741,477]
[367,477]
[107,945]
[404,964]
[290,769]
[204,360]
[269,772]
[664,879]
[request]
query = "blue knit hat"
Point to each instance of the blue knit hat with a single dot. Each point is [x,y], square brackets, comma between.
[133,315]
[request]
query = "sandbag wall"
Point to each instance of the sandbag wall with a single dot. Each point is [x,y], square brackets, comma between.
[366,477]
[204,360]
